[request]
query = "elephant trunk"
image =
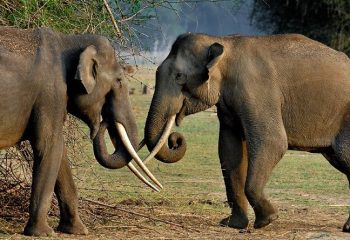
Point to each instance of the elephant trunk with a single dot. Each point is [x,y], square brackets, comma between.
[117,110]
[175,145]
[119,158]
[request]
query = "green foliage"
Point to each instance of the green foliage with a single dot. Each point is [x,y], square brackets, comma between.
[326,20]
[135,5]
[65,16]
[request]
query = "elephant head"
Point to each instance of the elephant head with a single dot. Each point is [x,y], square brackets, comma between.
[98,90]
[187,81]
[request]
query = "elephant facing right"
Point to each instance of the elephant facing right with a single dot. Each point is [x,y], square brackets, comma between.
[273,93]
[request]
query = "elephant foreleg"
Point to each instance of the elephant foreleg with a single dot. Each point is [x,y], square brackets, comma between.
[265,150]
[233,159]
[67,196]
[47,159]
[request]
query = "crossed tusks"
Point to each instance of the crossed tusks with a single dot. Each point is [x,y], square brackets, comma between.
[141,163]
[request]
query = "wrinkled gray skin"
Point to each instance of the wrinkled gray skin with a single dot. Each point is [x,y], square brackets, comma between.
[272,93]
[43,75]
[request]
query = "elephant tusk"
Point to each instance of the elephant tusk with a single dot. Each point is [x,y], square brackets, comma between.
[162,139]
[131,150]
[142,178]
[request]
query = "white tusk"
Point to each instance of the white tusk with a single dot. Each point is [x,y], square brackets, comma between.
[142,178]
[131,150]
[162,139]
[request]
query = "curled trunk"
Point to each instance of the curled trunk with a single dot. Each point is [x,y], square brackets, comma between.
[119,158]
[175,147]
[125,150]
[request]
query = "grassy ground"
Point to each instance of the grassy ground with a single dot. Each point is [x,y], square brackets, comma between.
[311,196]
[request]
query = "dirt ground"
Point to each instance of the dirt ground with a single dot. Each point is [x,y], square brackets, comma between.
[131,220]
[293,223]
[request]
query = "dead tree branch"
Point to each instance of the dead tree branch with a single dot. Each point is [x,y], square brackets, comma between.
[116,27]
[138,214]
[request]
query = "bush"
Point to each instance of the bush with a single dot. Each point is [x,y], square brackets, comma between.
[68,16]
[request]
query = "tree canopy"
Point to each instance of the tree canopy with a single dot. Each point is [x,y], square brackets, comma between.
[327,21]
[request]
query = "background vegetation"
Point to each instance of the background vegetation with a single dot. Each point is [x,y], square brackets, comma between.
[138,20]
[327,21]
[68,16]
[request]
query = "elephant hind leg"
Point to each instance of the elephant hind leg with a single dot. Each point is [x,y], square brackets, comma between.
[339,157]
[346,227]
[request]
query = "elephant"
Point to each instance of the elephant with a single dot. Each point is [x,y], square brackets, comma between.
[272,93]
[44,76]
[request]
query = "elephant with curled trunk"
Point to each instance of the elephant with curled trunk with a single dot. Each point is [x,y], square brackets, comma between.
[272,93]
[44,75]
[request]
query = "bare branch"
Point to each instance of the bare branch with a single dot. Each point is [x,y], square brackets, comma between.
[139,214]
[118,32]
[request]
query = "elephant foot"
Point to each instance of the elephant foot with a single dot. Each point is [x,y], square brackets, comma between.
[265,218]
[38,230]
[238,221]
[346,227]
[77,227]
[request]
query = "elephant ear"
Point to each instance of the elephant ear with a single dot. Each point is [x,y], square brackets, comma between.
[215,54]
[86,71]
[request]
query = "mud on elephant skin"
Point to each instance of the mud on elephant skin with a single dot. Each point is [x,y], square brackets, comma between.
[272,93]
[44,75]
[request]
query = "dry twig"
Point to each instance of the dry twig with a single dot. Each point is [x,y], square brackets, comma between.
[118,32]
[139,214]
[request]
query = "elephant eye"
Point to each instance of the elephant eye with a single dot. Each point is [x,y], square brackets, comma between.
[178,76]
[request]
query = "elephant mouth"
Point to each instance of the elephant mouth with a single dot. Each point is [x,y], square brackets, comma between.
[191,104]
[181,114]
[183,110]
